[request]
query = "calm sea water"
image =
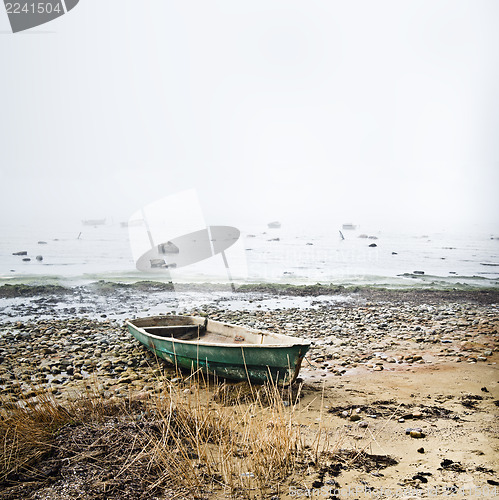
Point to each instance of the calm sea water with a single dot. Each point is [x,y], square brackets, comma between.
[81,254]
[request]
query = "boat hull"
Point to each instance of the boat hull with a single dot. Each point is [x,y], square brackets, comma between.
[257,363]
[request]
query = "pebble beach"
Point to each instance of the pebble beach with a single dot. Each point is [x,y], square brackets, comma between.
[414,373]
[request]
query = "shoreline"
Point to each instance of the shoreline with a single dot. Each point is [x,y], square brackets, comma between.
[381,362]
[8,290]
[120,301]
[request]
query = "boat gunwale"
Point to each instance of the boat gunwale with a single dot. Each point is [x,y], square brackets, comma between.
[296,341]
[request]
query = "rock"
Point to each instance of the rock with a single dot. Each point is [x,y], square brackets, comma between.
[106,365]
[355,417]
[363,424]
[410,429]
[141,396]
[416,434]
[445,463]
[378,368]
[39,258]
[420,477]
[420,450]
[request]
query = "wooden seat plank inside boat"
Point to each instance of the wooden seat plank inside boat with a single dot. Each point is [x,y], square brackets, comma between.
[194,332]
[180,332]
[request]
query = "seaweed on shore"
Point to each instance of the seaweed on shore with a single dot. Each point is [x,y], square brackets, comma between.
[110,287]
[375,293]
[483,296]
[392,408]
[362,460]
[20,290]
[294,290]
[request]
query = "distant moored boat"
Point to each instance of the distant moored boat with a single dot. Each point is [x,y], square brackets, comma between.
[93,222]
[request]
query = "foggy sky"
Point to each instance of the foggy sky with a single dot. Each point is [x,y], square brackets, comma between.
[381,112]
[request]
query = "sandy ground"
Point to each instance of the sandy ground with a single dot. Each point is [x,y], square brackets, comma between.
[459,452]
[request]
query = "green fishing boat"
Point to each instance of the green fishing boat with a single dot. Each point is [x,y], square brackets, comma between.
[221,349]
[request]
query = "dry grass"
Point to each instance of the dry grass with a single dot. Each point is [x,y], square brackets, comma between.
[26,431]
[183,439]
